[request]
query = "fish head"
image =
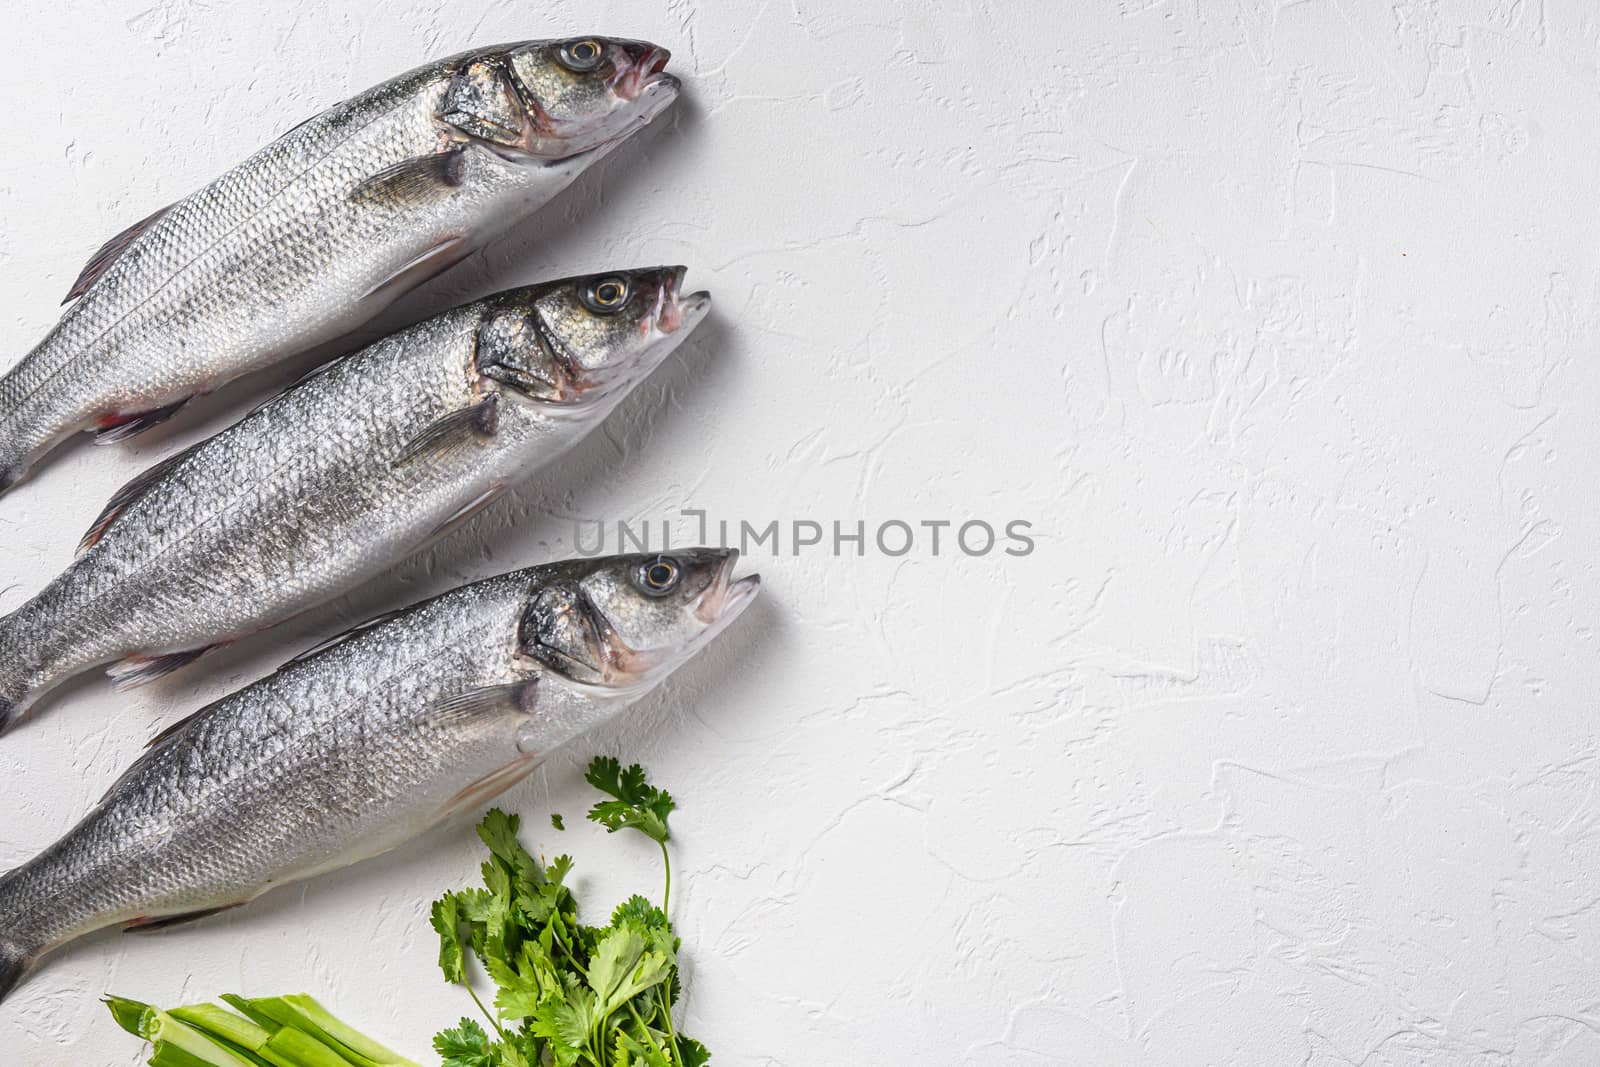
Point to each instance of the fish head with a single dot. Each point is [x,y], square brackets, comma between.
[580,341]
[545,101]
[623,623]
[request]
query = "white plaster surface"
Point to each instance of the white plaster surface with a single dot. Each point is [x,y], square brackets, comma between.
[1279,322]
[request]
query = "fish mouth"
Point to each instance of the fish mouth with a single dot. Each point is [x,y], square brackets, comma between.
[659,91]
[649,69]
[654,94]
[674,310]
[726,598]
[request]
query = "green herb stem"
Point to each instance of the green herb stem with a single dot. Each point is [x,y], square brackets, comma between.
[666,1009]
[666,894]
[645,1030]
[494,1022]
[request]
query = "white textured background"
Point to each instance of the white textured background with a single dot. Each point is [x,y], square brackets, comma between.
[1279,320]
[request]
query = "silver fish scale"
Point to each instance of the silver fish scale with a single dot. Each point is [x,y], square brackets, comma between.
[272,258]
[296,503]
[334,758]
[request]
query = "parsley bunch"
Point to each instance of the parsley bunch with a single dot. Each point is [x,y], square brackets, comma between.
[569,995]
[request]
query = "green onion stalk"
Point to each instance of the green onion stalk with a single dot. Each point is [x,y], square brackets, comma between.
[292,1031]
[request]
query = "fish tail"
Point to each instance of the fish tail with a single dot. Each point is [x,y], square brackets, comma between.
[44,903]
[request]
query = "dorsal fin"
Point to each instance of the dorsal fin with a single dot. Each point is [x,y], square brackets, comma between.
[342,636]
[156,744]
[172,729]
[122,498]
[101,261]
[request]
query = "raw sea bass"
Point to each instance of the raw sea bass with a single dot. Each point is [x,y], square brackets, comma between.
[342,475]
[349,750]
[320,230]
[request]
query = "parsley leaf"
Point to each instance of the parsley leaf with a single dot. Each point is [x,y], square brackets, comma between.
[499,832]
[464,1046]
[565,1022]
[638,804]
[692,1053]
[447,921]
[637,909]
[623,968]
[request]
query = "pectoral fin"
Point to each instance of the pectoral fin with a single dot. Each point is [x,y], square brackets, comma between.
[108,254]
[490,700]
[460,710]
[454,431]
[413,182]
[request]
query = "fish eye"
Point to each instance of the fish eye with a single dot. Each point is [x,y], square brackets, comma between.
[659,577]
[606,295]
[580,56]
